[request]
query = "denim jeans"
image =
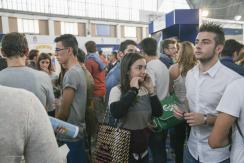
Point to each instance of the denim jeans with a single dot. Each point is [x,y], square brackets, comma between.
[177,140]
[157,144]
[158,147]
[77,152]
[188,158]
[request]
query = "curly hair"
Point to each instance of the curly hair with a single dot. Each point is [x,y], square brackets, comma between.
[14,44]
[43,56]
[186,59]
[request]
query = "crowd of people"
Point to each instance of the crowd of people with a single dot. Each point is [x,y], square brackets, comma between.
[206,77]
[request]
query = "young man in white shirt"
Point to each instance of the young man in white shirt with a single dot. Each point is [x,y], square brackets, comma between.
[231,108]
[205,85]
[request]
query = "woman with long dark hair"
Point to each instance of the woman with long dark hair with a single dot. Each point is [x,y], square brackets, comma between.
[44,64]
[133,103]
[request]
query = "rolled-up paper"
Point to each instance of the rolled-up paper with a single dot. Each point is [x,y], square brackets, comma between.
[70,129]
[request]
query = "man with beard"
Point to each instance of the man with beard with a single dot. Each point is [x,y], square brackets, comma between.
[205,85]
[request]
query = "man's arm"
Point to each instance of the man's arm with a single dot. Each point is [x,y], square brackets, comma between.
[219,136]
[196,119]
[112,79]
[68,96]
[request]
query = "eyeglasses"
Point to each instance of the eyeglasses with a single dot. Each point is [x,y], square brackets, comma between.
[58,49]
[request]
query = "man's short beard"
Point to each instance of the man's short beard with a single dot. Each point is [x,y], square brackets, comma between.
[206,60]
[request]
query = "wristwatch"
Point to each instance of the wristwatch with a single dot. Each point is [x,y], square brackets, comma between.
[205,117]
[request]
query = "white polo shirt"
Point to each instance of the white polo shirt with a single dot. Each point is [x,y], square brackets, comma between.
[232,103]
[203,92]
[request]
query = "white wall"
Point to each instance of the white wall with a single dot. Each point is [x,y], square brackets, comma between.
[47,44]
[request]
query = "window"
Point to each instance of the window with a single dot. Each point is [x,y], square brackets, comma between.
[109,12]
[111,9]
[102,30]
[168,6]
[28,26]
[59,7]
[69,28]
[130,32]
[77,7]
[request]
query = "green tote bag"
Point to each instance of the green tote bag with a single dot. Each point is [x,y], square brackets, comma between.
[167,120]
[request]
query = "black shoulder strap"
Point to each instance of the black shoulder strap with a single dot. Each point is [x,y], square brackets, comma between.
[239,129]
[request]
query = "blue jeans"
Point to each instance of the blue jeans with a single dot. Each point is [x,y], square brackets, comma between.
[77,152]
[157,144]
[188,158]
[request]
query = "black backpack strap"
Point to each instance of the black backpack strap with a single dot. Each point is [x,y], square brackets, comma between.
[230,133]
[239,129]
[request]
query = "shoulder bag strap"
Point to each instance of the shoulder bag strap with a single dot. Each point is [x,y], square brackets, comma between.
[239,129]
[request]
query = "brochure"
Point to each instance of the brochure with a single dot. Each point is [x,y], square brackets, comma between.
[70,129]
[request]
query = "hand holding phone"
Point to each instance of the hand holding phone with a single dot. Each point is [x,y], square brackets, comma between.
[135,82]
[148,84]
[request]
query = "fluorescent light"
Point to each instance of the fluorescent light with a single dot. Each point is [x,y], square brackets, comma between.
[204,13]
[237,17]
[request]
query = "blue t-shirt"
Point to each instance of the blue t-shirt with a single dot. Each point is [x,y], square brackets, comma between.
[228,62]
[97,59]
[112,79]
[166,60]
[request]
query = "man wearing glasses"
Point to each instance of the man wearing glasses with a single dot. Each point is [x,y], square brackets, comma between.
[74,95]
[168,51]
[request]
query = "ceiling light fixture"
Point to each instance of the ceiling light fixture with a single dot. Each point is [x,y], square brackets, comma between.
[204,13]
[237,17]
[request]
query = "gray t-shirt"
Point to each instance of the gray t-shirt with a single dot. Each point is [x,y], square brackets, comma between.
[75,78]
[37,82]
[139,114]
[25,129]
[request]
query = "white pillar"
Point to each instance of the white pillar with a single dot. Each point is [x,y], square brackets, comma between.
[5,24]
[144,32]
[88,29]
[51,27]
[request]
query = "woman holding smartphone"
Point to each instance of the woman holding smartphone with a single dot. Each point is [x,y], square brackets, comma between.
[134,102]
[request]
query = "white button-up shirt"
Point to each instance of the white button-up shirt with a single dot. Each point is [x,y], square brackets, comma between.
[203,92]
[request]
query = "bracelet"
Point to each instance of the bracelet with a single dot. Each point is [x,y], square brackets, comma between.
[205,119]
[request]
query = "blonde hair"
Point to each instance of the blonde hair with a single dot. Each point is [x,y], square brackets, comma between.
[186,59]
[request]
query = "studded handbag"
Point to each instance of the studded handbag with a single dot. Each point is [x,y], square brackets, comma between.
[112,144]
